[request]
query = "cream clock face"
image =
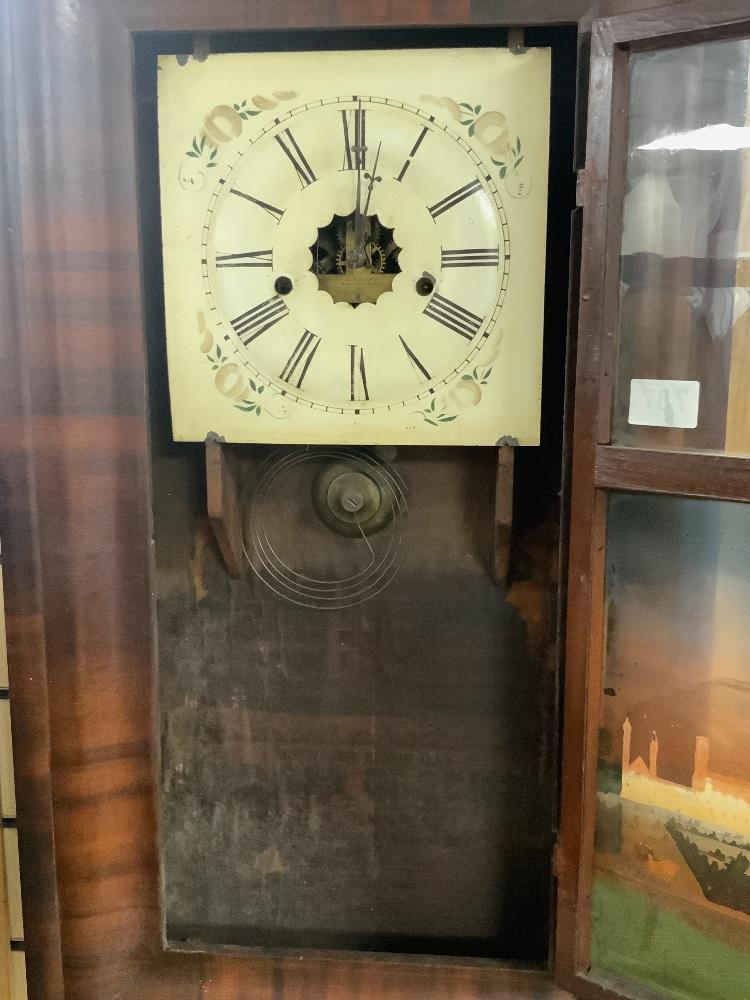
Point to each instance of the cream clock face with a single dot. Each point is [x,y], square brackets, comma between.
[426,208]
[350,265]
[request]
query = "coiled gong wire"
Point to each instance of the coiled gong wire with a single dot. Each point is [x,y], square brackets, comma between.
[309,591]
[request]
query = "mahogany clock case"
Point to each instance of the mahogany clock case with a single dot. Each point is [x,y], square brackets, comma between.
[380,777]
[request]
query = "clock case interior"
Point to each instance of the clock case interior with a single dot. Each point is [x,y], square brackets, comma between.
[376,778]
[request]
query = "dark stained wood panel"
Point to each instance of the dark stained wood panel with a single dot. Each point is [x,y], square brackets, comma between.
[377,778]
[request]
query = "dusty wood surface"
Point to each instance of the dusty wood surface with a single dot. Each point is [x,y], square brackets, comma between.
[377,778]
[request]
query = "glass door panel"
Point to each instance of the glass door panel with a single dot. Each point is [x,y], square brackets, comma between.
[671,889]
[654,856]
[683,371]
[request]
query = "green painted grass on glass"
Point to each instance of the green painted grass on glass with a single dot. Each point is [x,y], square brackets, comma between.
[635,938]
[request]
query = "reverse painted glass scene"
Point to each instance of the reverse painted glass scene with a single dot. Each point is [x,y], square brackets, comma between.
[672,869]
[684,358]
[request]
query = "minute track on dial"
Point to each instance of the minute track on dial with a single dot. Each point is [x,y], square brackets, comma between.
[452,224]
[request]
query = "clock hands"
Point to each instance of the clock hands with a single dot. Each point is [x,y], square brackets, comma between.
[372,178]
[357,240]
[359,152]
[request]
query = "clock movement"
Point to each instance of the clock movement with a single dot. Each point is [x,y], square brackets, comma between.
[354,245]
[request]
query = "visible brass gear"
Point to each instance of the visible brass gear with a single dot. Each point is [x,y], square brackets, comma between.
[374,256]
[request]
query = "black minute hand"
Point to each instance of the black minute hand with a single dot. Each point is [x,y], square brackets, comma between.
[359,152]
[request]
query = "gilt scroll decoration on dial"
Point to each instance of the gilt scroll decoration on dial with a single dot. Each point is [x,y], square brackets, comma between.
[357,261]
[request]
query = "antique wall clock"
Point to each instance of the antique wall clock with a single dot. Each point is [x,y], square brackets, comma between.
[354,244]
[354,262]
[253,798]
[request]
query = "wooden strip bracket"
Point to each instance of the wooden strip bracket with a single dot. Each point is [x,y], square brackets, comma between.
[516,41]
[503,513]
[201,46]
[223,503]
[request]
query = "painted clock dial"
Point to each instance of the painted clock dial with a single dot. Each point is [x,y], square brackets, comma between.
[357,258]
[356,254]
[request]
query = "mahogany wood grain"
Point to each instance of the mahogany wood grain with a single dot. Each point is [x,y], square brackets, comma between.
[22,585]
[590,318]
[74,494]
[224,979]
[76,521]
[257,15]
[615,186]
[690,474]
[596,645]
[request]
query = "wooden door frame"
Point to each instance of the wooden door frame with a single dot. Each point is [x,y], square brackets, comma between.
[76,521]
[598,466]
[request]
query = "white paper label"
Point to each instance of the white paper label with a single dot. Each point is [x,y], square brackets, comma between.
[657,402]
